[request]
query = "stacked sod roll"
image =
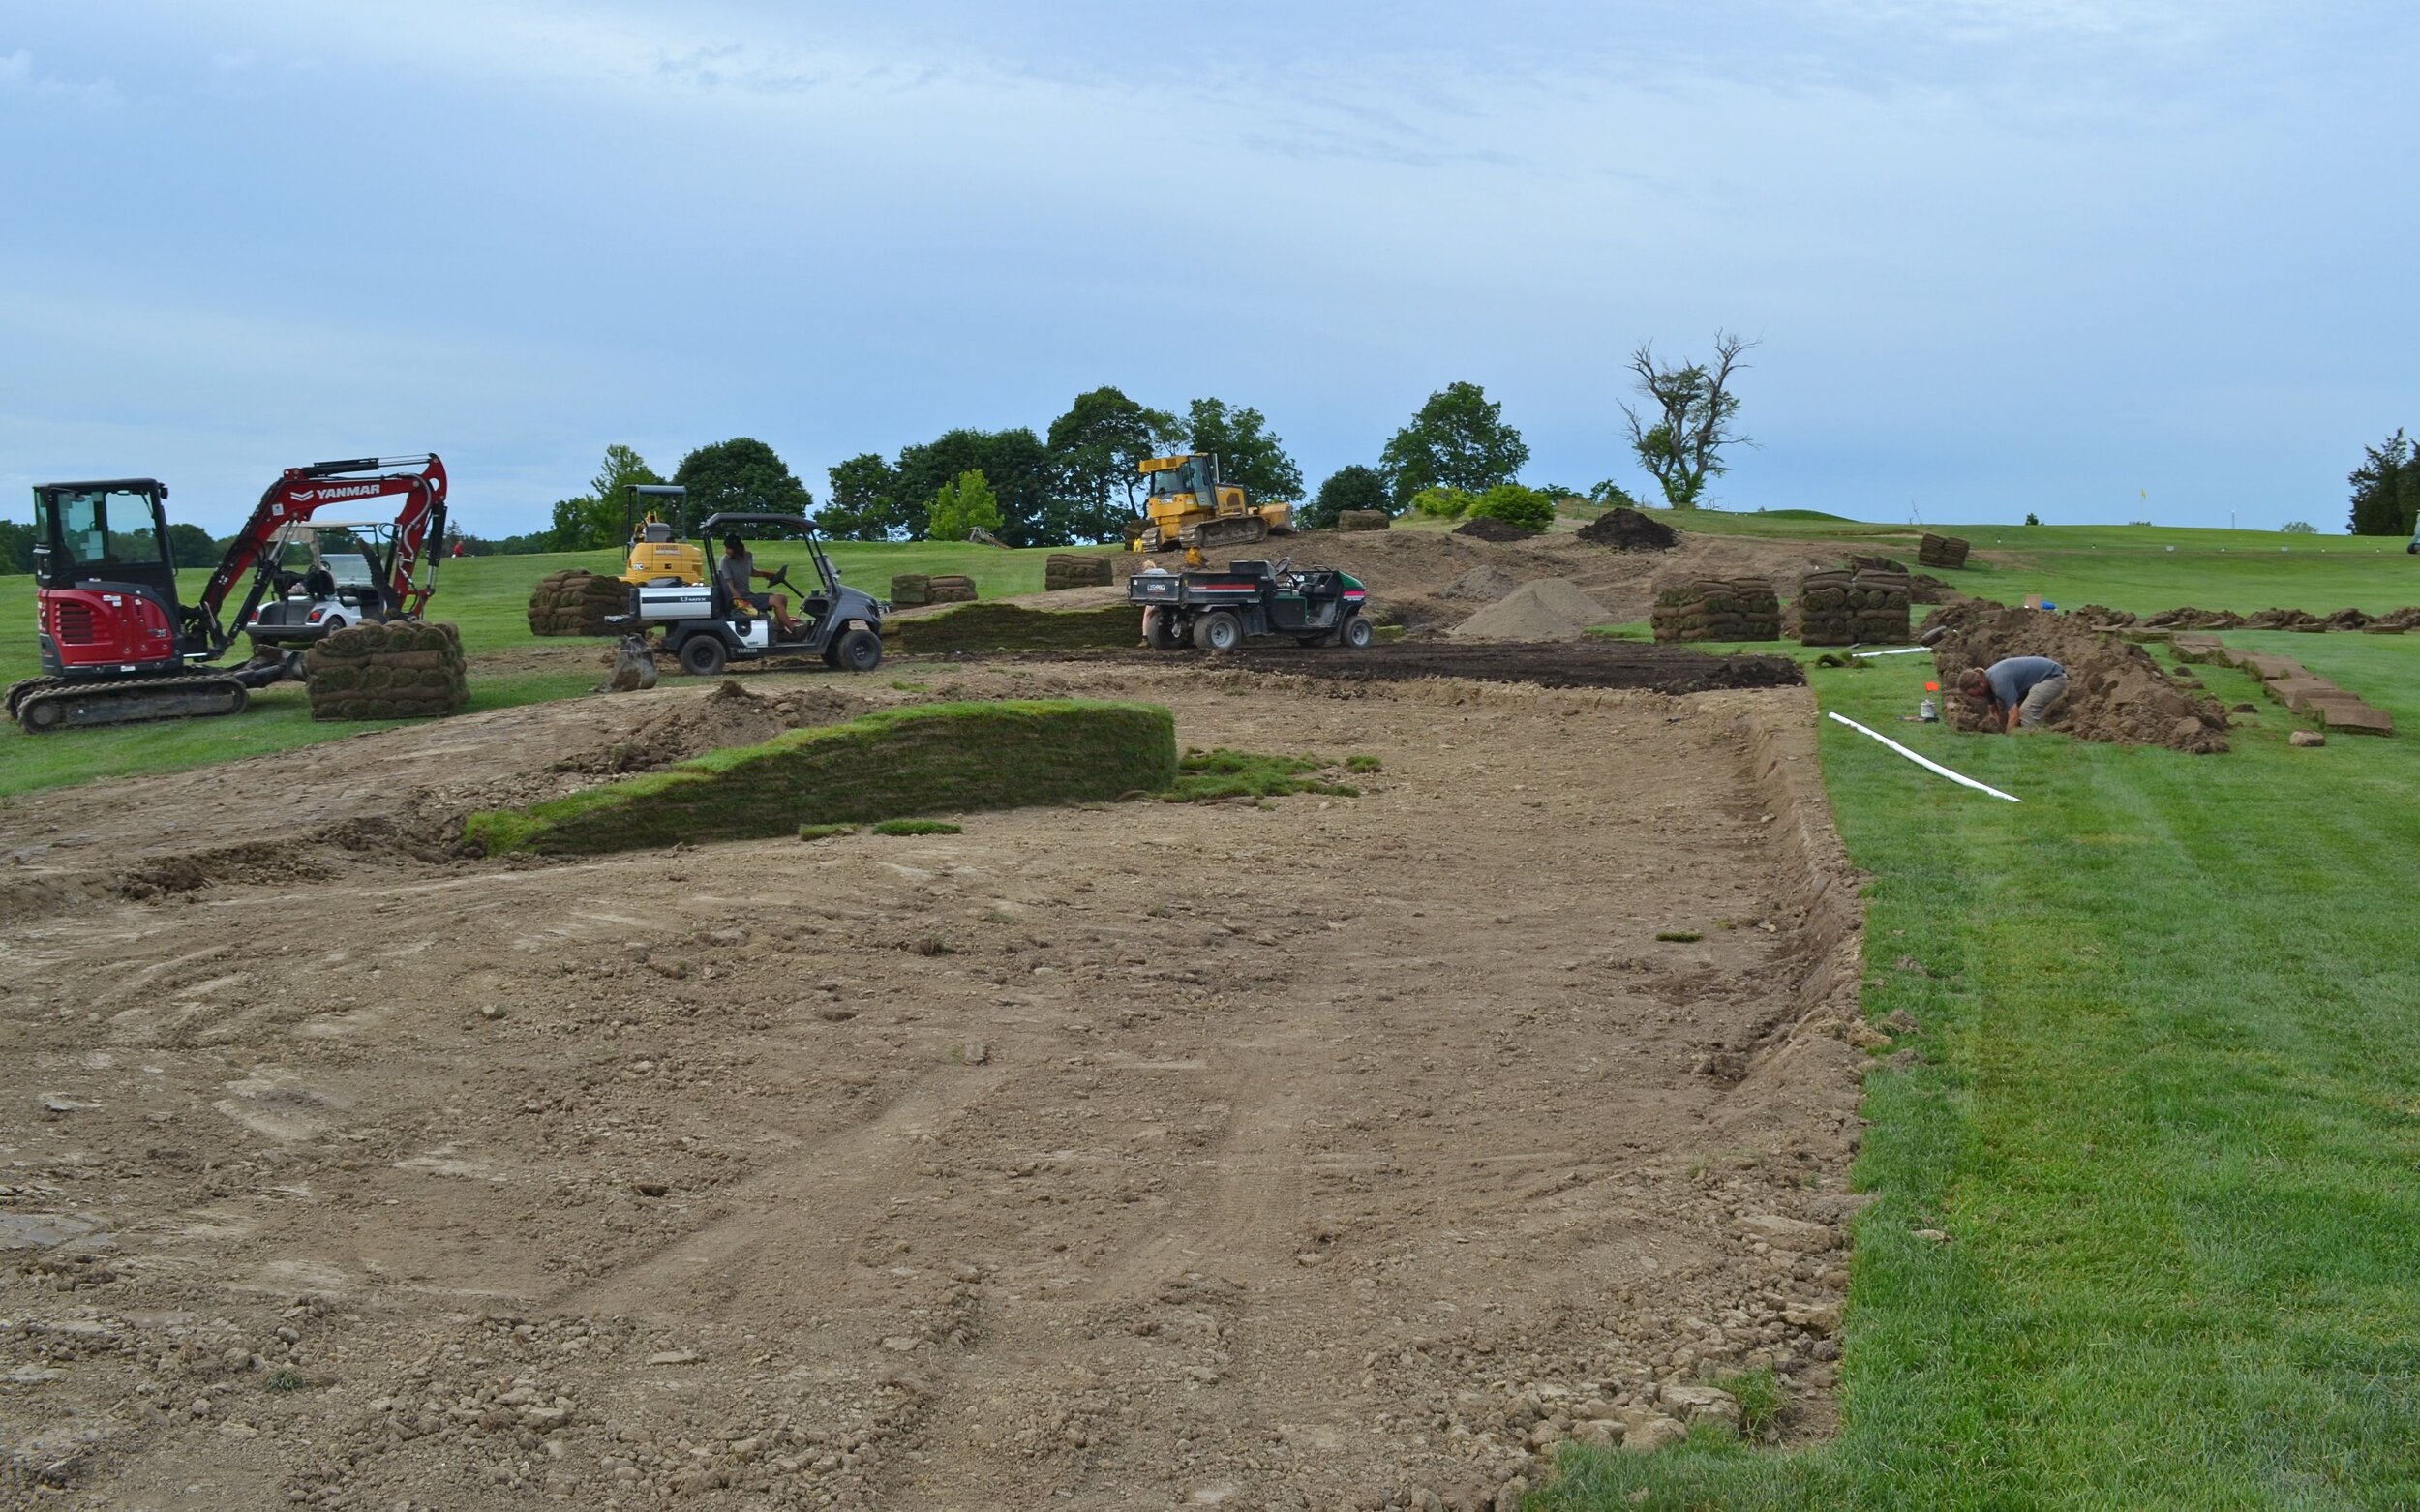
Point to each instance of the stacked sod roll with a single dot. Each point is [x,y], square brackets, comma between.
[1363,520]
[1076,569]
[1719,609]
[574,602]
[1939,550]
[949,588]
[910,589]
[1863,606]
[404,670]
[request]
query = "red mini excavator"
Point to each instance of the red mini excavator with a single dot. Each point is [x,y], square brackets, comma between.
[118,646]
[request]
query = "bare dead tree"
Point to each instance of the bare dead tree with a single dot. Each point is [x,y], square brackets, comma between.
[1689,416]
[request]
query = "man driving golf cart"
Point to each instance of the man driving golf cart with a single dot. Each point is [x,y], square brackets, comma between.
[740,573]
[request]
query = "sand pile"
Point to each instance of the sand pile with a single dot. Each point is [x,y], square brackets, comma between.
[1552,608]
[1487,583]
[2115,691]
[730,716]
[1627,529]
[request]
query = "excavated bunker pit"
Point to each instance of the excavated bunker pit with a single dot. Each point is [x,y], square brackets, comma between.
[1103,1156]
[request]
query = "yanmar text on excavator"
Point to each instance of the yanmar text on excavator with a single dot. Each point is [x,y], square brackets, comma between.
[118,646]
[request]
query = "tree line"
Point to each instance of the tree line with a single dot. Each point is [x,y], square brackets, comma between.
[2386,489]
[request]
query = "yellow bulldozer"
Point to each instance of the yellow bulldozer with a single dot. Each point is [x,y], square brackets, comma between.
[660,550]
[1188,506]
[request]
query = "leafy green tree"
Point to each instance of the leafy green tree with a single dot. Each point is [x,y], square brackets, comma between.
[1459,439]
[1613,495]
[2386,488]
[1680,439]
[585,523]
[741,474]
[1014,462]
[960,507]
[862,504]
[191,546]
[621,468]
[1250,457]
[1094,449]
[16,547]
[2298,527]
[1352,487]
[2032,518]
[1527,508]
[1442,502]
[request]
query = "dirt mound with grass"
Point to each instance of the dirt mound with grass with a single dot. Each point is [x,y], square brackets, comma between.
[1487,528]
[730,716]
[2116,693]
[1627,529]
[1551,608]
[1006,626]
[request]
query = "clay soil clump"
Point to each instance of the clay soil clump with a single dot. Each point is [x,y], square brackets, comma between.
[2116,693]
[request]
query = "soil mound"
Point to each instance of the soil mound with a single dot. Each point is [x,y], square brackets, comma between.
[1594,663]
[1488,584]
[1627,529]
[2115,693]
[1487,528]
[730,716]
[1551,608]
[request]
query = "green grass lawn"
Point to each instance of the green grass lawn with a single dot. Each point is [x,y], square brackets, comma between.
[2169,1118]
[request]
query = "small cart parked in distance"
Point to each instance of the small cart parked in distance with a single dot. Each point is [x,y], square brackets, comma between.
[1216,610]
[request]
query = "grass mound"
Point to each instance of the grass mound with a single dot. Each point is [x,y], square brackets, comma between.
[896,827]
[994,628]
[931,759]
[1204,776]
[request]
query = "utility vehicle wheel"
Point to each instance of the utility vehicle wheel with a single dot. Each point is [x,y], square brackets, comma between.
[1160,631]
[1218,631]
[702,655]
[334,622]
[861,651]
[1356,634]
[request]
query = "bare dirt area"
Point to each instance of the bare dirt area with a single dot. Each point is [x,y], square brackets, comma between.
[1339,1152]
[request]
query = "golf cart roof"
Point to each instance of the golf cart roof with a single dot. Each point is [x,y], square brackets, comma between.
[716,524]
[660,491]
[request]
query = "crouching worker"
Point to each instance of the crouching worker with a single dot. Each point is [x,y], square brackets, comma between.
[740,575]
[2018,690]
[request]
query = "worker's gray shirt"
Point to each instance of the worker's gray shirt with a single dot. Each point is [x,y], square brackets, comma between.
[738,573]
[2011,679]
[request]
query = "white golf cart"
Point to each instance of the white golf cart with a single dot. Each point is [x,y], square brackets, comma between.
[319,590]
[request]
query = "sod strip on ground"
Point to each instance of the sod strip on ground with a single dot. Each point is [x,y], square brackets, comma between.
[935,758]
[2166,1118]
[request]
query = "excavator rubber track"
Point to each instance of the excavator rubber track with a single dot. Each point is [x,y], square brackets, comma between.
[1227,531]
[41,704]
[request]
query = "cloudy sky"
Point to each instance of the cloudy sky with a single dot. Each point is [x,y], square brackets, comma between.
[2000,255]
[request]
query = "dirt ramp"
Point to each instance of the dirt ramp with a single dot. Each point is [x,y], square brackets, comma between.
[730,716]
[2116,692]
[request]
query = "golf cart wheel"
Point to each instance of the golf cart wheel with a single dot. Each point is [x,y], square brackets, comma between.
[702,656]
[1218,631]
[1160,631]
[861,651]
[1356,635]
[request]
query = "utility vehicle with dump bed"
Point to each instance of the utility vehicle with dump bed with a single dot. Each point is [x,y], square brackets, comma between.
[705,625]
[1215,610]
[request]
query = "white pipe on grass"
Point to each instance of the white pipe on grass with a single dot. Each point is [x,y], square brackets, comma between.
[1926,762]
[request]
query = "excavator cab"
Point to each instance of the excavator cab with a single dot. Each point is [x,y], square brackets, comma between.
[654,518]
[105,579]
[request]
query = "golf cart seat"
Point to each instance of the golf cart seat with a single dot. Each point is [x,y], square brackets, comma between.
[1252,569]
